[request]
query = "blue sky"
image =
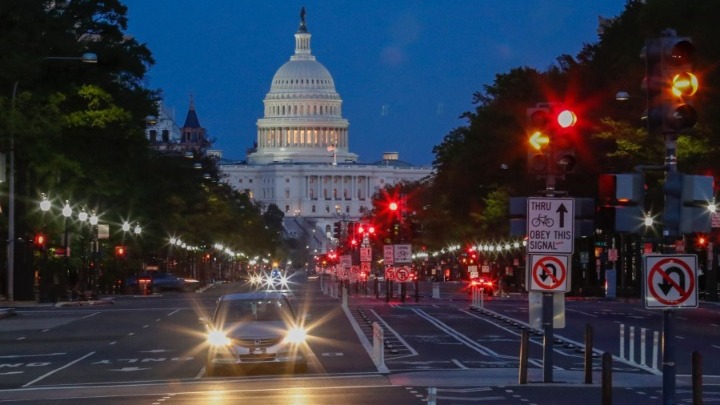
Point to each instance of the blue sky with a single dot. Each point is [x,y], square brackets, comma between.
[406,70]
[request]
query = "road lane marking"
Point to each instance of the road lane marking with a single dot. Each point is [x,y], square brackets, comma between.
[17,356]
[49,373]
[91,315]
[457,363]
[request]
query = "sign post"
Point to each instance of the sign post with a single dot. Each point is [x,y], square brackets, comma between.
[551,234]
[670,283]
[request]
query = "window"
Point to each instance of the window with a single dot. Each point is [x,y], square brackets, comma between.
[153,135]
[287,208]
[313,209]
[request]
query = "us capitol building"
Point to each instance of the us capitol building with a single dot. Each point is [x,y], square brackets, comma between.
[301,161]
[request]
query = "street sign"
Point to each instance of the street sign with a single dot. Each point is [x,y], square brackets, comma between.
[346,261]
[402,274]
[403,253]
[670,281]
[550,225]
[388,255]
[390,273]
[365,267]
[549,273]
[365,254]
[612,255]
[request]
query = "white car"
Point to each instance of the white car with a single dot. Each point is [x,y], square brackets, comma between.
[254,329]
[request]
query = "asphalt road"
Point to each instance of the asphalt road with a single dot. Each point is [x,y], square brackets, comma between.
[149,349]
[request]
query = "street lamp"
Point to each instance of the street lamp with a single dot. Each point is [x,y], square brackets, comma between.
[85,58]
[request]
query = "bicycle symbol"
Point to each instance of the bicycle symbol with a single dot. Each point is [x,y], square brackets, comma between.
[542,219]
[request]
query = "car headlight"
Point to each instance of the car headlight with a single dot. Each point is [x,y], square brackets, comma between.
[295,335]
[218,338]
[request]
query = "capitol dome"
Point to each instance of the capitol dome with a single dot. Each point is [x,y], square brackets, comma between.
[303,120]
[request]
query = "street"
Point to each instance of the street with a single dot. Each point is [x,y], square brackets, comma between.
[144,348]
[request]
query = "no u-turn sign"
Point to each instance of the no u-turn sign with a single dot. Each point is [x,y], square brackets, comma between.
[549,273]
[670,281]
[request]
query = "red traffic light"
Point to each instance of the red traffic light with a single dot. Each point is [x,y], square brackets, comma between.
[39,240]
[120,251]
[393,206]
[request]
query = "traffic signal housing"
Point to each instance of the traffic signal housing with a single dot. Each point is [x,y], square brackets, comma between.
[552,137]
[621,202]
[538,133]
[337,229]
[670,83]
[120,252]
[563,140]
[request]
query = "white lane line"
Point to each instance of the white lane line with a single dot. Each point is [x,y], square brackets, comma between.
[460,365]
[15,356]
[173,312]
[48,374]
[91,315]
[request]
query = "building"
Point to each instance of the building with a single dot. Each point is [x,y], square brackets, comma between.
[301,161]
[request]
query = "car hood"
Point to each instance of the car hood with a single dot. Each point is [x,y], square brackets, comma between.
[256,330]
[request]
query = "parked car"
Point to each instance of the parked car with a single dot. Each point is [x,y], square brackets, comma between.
[255,329]
[158,282]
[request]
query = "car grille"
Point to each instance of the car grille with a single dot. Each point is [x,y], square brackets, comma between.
[252,343]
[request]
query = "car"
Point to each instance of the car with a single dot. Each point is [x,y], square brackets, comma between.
[248,330]
[157,282]
[486,285]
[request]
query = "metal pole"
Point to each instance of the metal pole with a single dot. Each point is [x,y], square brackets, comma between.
[697,378]
[11,206]
[606,379]
[588,353]
[547,321]
[524,342]
[668,357]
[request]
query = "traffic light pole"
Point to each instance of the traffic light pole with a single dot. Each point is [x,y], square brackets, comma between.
[670,232]
[547,307]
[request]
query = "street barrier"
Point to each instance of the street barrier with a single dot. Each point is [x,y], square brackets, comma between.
[436,290]
[378,345]
[642,345]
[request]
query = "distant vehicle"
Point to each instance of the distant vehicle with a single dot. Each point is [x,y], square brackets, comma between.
[161,282]
[488,286]
[255,329]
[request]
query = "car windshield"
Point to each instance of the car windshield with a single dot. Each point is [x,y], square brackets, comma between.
[252,310]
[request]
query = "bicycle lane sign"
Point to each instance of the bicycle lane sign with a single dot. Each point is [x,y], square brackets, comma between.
[670,281]
[551,225]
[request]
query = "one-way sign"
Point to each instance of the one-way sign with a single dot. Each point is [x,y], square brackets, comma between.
[550,225]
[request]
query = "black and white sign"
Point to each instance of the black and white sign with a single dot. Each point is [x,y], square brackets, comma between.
[550,225]
[403,253]
[365,254]
[549,273]
[670,281]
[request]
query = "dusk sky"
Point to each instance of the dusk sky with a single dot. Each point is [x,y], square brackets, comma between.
[406,70]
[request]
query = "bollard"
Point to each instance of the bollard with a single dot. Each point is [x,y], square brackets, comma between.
[631,342]
[642,347]
[697,378]
[588,353]
[656,341]
[432,396]
[523,368]
[344,297]
[378,345]
[606,379]
[622,341]
[376,283]
[436,290]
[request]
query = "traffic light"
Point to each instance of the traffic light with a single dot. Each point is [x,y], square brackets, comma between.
[120,252]
[538,132]
[337,229]
[563,140]
[39,241]
[621,202]
[351,226]
[670,83]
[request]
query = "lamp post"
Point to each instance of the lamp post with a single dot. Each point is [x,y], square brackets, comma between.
[85,58]
[44,282]
[94,249]
[67,213]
